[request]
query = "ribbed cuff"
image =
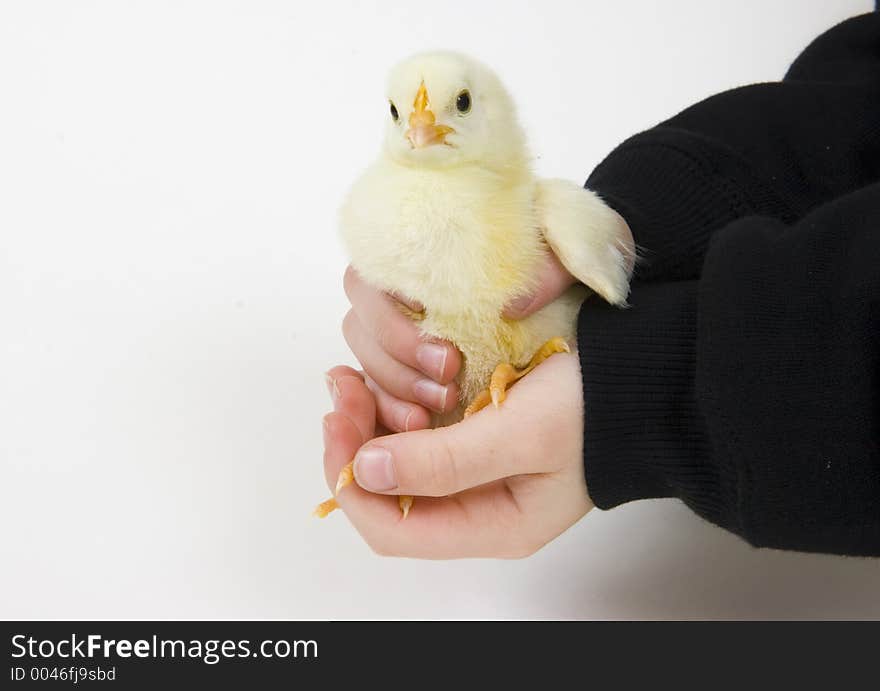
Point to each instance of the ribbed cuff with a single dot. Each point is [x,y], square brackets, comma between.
[644,436]
[675,188]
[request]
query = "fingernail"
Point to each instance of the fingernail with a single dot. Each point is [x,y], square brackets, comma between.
[400,415]
[374,470]
[520,305]
[430,393]
[432,359]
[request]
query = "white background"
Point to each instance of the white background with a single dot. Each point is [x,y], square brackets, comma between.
[170,296]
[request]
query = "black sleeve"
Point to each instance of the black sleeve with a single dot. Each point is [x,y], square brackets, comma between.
[776,150]
[752,393]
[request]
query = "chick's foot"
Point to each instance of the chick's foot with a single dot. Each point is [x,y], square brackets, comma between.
[346,477]
[506,374]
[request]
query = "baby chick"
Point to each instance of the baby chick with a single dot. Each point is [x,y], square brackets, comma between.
[452,216]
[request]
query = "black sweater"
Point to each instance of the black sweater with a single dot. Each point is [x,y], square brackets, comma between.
[745,378]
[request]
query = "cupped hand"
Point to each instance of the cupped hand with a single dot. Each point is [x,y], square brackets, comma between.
[553,280]
[501,483]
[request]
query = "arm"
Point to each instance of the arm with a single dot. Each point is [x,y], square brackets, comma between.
[751,393]
[776,150]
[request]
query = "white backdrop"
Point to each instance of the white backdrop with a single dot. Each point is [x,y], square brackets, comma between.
[170,296]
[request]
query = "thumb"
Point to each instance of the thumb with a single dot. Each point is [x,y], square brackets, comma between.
[432,463]
[553,280]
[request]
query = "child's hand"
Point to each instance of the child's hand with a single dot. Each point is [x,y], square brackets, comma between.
[553,281]
[501,483]
[408,374]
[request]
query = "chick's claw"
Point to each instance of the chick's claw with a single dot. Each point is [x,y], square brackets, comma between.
[480,401]
[405,503]
[325,508]
[503,376]
[346,477]
[506,374]
[551,347]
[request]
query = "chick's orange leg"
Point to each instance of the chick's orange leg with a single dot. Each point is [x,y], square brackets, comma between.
[346,477]
[506,374]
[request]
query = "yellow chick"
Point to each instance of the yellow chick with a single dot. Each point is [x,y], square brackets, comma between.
[452,216]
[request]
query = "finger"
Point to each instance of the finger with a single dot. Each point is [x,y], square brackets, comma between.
[343,371]
[397,415]
[553,280]
[397,334]
[484,522]
[414,305]
[400,381]
[337,372]
[485,447]
[351,396]
[342,438]
[372,514]
[435,463]
[381,429]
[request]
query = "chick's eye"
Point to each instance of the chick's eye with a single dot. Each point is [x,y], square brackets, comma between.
[463,102]
[394,114]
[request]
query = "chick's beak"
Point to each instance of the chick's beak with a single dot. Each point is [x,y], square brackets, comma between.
[423,128]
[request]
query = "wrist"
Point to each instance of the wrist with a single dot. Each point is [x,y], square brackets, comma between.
[675,188]
[644,435]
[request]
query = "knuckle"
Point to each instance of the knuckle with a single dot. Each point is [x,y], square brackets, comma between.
[442,472]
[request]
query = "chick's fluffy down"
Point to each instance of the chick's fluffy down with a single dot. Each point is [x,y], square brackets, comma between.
[465,228]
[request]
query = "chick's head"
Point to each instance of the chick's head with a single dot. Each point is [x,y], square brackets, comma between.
[445,110]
